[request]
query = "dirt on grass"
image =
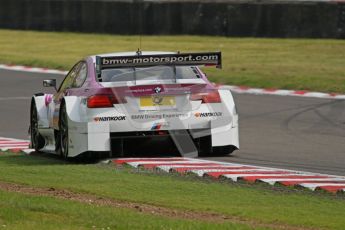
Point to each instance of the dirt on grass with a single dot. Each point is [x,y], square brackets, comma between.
[140,207]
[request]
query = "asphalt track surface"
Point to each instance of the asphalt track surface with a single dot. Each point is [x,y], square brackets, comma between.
[299,133]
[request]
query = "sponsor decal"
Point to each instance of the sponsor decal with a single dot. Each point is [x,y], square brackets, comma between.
[158,126]
[210,58]
[115,118]
[162,89]
[157,116]
[166,89]
[211,114]
[157,89]
[140,90]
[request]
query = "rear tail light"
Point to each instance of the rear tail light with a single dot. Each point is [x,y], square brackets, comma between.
[103,101]
[212,97]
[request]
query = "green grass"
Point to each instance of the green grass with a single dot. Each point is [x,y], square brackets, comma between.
[308,64]
[251,203]
[18,211]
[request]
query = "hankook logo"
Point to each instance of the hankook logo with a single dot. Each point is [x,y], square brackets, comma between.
[116,118]
[213,114]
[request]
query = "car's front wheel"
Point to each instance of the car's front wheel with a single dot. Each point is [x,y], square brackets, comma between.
[37,141]
[63,139]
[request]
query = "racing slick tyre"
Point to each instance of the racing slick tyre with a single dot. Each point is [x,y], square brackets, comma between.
[37,141]
[62,137]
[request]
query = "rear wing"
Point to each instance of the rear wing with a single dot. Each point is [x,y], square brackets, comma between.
[179,59]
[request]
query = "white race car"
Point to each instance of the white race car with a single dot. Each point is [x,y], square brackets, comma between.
[123,103]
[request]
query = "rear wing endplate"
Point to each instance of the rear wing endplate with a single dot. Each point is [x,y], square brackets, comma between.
[179,59]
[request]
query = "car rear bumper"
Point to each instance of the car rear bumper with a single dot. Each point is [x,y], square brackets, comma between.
[101,137]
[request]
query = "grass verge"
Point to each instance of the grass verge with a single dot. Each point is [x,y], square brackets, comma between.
[20,211]
[284,208]
[307,64]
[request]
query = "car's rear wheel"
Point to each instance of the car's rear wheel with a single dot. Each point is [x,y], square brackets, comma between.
[63,138]
[37,141]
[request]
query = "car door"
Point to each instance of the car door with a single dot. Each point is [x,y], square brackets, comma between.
[63,91]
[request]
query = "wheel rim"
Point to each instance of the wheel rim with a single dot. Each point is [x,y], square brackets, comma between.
[63,134]
[34,128]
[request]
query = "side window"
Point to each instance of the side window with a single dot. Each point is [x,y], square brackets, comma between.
[81,76]
[69,79]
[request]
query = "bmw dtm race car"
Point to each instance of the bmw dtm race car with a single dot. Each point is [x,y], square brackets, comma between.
[113,102]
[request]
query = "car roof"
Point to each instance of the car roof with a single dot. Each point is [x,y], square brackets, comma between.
[131,53]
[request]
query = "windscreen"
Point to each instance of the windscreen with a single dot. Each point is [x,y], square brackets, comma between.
[150,73]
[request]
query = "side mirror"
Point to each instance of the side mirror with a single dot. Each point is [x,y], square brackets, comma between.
[49,83]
